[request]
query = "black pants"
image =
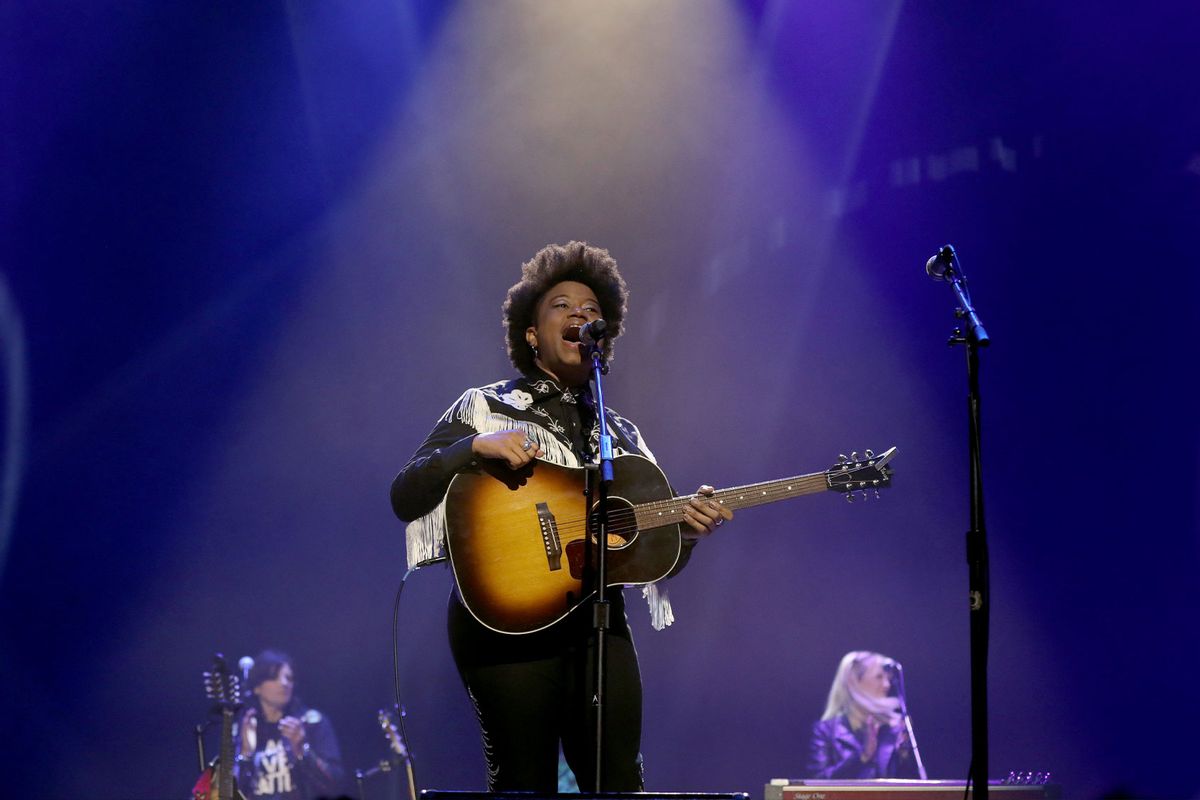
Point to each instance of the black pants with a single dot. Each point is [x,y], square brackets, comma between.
[533,692]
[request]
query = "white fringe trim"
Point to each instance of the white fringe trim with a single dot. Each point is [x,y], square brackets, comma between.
[641,443]
[425,537]
[661,614]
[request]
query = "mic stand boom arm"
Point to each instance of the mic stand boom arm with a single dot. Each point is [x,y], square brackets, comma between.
[945,267]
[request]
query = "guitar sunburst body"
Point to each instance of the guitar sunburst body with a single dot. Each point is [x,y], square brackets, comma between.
[517,541]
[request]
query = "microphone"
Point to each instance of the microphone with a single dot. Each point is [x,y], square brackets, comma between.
[944,266]
[591,333]
[941,263]
[245,663]
[892,665]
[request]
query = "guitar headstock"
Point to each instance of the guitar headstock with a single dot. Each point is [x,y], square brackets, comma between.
[221,685]
[388,723]
[866,473]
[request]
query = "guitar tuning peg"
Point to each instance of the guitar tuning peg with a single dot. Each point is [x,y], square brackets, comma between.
[854,455]
[849,497]
[843,457]
[869,454]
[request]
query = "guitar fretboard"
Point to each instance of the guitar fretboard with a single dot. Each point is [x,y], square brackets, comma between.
[666,512]
[225,765]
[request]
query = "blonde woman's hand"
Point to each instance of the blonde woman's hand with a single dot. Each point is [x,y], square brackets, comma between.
[872,743]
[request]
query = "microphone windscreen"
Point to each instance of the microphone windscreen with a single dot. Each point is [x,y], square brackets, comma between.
[936,267]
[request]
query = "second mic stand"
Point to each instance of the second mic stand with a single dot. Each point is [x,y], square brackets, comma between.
[908,726]
[974,338]
[597,497]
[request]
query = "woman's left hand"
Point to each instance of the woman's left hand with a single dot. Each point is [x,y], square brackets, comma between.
[704,514]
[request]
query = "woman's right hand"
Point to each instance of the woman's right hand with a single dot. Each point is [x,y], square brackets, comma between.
[872,742]
[512,447]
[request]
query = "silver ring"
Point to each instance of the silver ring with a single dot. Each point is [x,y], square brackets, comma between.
[720,521]
[528,443]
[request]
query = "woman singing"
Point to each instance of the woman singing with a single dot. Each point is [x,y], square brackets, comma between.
[531,691]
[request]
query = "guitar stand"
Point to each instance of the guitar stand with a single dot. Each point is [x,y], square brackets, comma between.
[198,732]
[387,766]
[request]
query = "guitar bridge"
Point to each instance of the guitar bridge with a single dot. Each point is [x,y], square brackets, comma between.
[550,540]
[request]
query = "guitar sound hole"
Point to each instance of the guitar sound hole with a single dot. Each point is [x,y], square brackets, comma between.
[622,528]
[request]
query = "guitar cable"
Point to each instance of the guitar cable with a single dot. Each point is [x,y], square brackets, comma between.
[412,762]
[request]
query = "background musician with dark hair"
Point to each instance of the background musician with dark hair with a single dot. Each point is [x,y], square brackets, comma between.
[286,749]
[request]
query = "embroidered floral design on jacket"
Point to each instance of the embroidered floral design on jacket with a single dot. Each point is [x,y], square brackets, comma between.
[517,399]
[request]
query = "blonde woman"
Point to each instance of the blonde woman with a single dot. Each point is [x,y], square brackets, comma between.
[861,735]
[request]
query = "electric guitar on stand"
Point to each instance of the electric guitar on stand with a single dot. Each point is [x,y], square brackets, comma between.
[518,539]
[383,779]
[399,751]
[223,687]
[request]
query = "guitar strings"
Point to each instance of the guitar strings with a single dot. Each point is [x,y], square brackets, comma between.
[623,520]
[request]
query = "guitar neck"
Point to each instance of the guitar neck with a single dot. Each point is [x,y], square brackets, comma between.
[225,764]
[665,512]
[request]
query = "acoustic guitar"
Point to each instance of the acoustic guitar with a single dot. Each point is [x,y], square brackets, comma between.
[517,539]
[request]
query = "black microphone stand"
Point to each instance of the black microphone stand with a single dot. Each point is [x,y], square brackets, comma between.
[945,266]
[597,497]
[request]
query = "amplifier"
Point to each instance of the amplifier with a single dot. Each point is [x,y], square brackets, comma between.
[892,789]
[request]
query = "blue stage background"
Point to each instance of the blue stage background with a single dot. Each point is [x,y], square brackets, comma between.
[250,253]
